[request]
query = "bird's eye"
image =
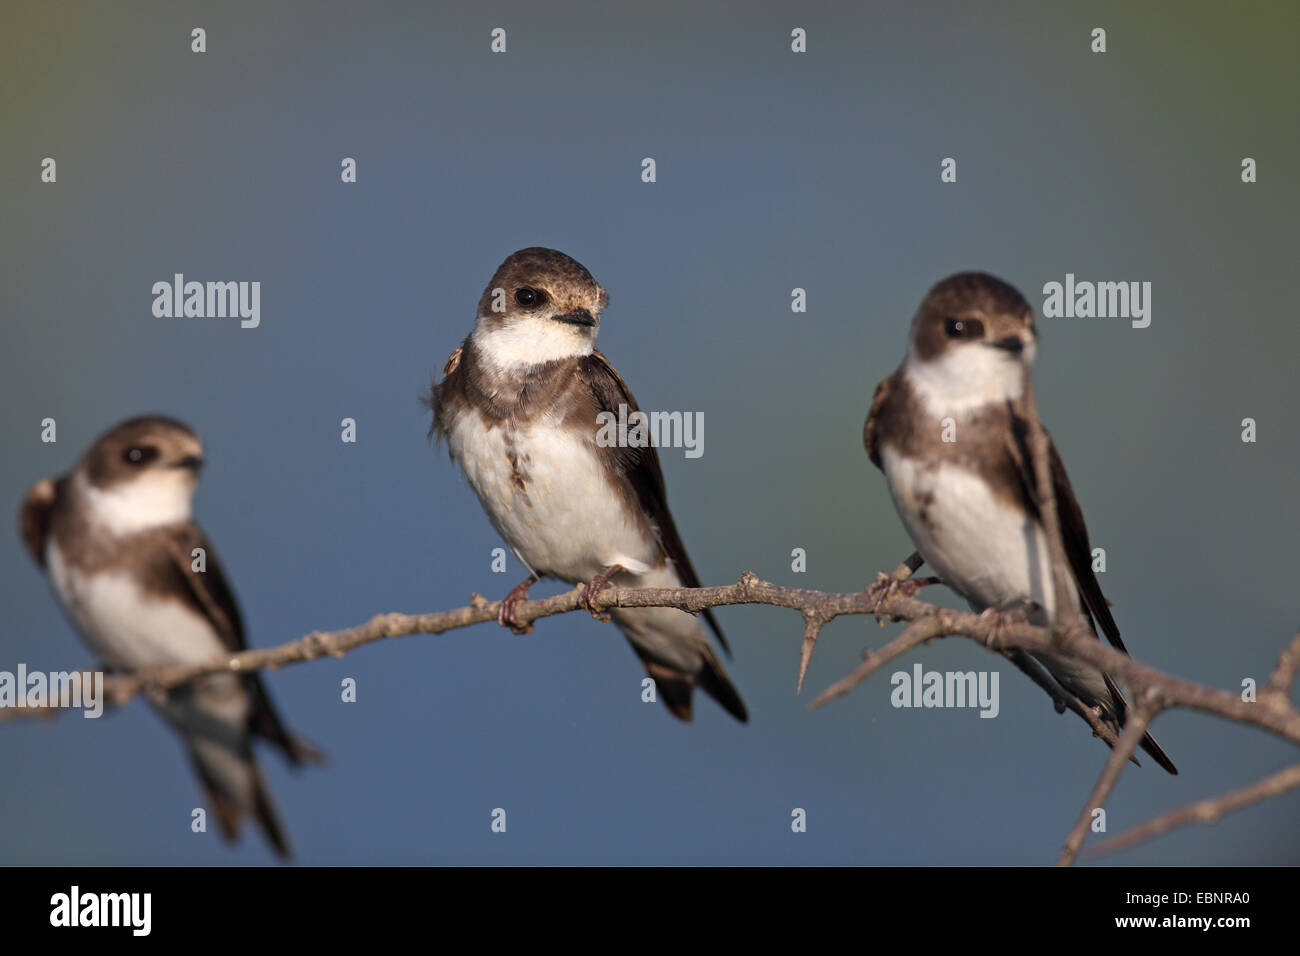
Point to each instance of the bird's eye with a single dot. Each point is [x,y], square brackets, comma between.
[964,328]
[530,297]
[139,454]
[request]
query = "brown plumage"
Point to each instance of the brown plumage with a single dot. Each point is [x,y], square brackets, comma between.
[60,517]
[551,380]
[976,311]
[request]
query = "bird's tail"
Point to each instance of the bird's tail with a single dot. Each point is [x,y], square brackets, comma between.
[266,723]
[1157,754]
[715,682]
[235,788]
[676,687]
[1148,744]
[677,655]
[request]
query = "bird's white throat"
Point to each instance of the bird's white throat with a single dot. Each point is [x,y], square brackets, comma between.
[966,377]
[154,498]
[523,343]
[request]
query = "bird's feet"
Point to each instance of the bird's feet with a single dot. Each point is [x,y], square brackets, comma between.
[886,586]
[999,619]
[597,584]
[506,614]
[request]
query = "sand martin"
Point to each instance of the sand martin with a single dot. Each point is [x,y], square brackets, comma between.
[518,406]
[116,538]
[968,502]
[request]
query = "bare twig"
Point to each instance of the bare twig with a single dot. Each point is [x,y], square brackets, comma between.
[813,622]
[1154,691]
[918,632]
[1284,722]
[1277,692]
[1135,727]
[1204,811]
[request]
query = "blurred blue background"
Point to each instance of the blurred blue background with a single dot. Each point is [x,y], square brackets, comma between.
[775,171]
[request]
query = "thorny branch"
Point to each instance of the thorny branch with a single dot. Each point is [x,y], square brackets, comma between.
[1154,691]
[1205,811]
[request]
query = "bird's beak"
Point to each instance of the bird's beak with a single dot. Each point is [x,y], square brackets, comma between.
[190,462]
[1012,343]
[577,317]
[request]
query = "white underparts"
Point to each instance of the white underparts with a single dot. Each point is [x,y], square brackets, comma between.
[549,496]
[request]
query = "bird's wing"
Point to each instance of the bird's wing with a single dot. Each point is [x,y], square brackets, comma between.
[34,517]
[1074,533]
[208,591]
[639,468]
[211,596]
[869,437]
[436,398]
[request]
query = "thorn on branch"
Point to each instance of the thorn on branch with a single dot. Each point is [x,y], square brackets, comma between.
[1153,690]
[813,621]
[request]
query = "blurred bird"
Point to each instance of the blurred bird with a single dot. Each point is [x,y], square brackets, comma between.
[117,540]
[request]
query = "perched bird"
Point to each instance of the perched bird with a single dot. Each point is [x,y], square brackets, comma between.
[967,497]
[518,407]
[117,540]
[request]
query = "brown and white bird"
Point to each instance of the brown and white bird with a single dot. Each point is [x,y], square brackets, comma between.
[118,542]
[949,432]
[518,407]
